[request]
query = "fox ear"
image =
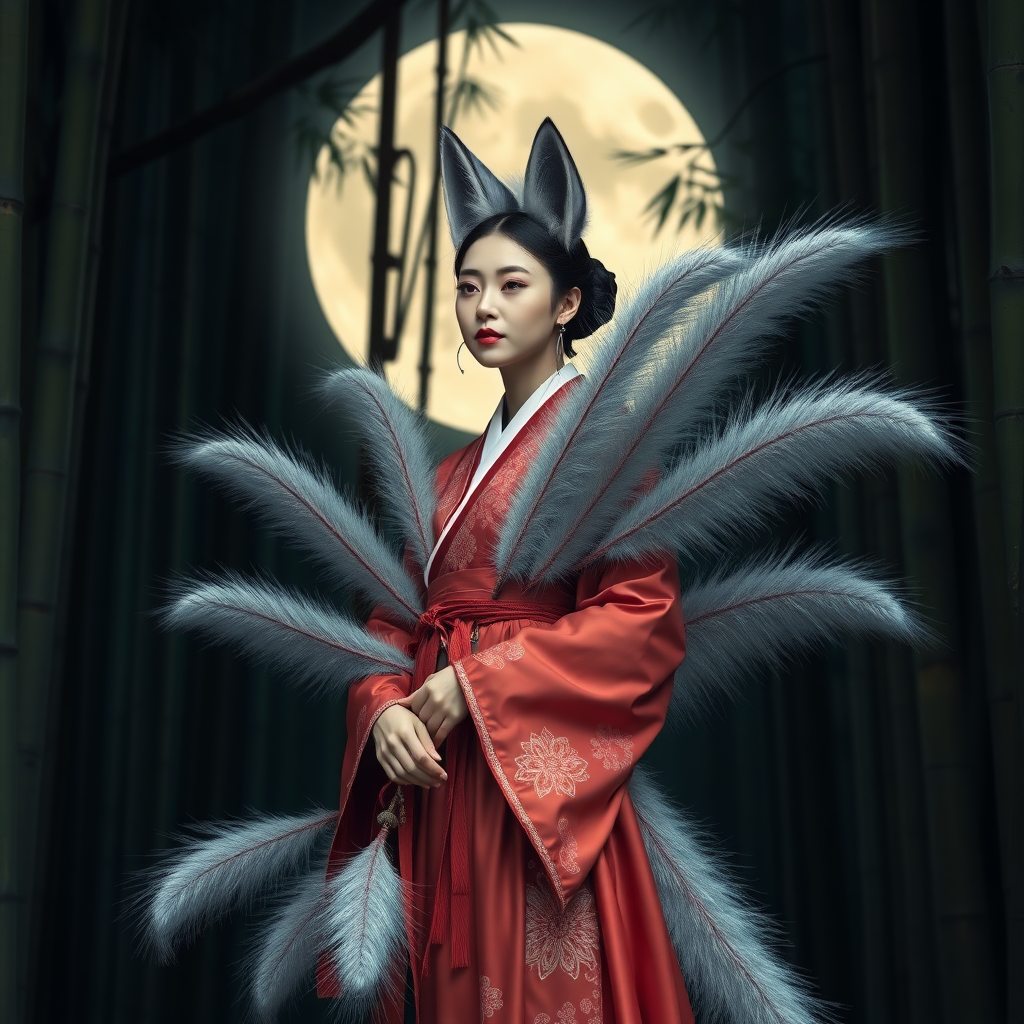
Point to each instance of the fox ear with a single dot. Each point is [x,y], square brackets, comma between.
[553,190]
[471,192]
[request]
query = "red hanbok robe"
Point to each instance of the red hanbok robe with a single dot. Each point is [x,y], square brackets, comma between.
[533,898]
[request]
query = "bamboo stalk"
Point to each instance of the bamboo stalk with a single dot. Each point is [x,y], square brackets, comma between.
[1006,279]
[967,134]
[1006,297]
[853,343]
[960,908]
[45,476]
[13,65]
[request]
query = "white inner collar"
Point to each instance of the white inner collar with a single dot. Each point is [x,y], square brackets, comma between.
[497,440]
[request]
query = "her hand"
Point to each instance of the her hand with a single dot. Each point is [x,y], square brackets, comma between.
[438,703]
[405,750]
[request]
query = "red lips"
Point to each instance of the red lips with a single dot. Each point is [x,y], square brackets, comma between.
[487,337]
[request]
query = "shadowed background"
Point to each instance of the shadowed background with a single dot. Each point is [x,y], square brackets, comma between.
[872,798]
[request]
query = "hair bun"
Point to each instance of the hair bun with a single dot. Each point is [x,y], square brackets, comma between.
[603,289]
[596,305]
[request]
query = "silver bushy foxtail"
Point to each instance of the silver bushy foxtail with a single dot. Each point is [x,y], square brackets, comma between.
[791,445]
[283,960]
[771,609]
[301,503]
[689,370]
[314,644]
[726,947]
[396,442]
[577,439]
[365,928]
[228,865]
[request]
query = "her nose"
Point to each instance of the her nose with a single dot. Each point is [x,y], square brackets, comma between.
[485,307]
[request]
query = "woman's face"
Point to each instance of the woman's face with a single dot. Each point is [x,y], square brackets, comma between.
[503,303]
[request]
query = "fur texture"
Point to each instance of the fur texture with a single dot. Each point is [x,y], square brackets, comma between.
[552,188]
[771,609]
[396,443]
[577,440]
[365,929]
[725,946]
[471,192]
[687,371]
[302,504]
[285,955]
[791,446]
[228,865]
[313,644]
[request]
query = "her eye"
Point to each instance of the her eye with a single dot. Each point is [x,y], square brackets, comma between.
[515,285]
[464,287]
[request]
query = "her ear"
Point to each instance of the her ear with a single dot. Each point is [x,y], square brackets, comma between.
[553,189]
[471,192]
[570,304]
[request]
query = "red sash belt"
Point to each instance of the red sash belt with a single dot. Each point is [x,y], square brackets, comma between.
[449,622]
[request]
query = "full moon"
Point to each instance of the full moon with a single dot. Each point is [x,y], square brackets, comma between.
[601,100]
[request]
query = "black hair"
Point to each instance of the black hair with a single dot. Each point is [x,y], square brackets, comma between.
[574,268]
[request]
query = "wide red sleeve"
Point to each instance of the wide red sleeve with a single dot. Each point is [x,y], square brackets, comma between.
[564,711]
[368,697]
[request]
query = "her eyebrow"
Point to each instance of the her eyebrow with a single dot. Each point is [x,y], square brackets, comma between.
[501,270]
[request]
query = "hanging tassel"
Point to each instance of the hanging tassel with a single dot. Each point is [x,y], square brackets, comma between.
[365,920]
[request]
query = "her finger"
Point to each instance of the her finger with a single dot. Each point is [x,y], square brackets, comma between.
[423,735]
[443,730]
[416,775]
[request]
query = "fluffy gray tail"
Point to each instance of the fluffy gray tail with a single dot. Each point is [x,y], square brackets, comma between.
[724,945]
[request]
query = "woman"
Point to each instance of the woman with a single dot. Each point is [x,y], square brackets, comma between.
[535,899]
[520,658]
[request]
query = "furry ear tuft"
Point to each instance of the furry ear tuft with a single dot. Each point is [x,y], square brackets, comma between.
[471,192]
[553,189]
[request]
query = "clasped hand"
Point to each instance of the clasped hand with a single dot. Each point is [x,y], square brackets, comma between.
[408,733]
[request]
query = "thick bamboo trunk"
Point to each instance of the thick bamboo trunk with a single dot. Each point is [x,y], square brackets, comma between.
[854,345]
[1006,279]
[961,914]
[1006,297]
[970,200]
[13,64]
[49,440]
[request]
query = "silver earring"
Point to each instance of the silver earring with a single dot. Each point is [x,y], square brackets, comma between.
[561,338]
[457,363]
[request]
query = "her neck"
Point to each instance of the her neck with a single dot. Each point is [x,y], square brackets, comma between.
[524,377]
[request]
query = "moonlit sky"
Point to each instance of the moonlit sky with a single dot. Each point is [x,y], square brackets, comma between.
[600,99]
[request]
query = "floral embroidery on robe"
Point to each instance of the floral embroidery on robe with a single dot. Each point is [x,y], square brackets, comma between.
[550,763]
[557,938]
[612,747]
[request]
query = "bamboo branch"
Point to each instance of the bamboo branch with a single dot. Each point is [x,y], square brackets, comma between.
[334,49]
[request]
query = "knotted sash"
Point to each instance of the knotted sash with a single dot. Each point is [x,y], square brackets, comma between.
[457,603]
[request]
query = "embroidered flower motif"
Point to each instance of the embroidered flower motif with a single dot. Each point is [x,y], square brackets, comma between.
[567,854]
[557,938]
[542,1018]
[612,747]
[462,549]
[550,763]
[586,1005]
[567,1014]
[490,998]
[497,656]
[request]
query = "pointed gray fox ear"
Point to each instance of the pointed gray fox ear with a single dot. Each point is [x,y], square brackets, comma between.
[553,190]
[471,192]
